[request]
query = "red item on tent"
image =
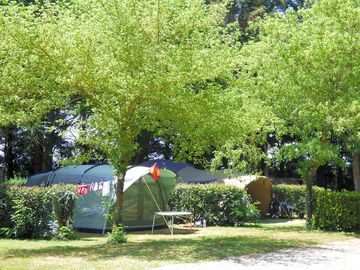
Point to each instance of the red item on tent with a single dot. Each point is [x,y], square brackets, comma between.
[82,189]
[155,172]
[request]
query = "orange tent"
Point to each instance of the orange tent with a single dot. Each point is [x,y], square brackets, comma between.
[258,187]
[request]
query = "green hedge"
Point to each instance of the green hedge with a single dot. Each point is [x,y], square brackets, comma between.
[27,212]
[295,196]
[337,211]
[218,204]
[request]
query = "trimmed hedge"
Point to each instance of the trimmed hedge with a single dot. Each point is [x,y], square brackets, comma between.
[295,196]
[218,204]
[27,212]
[337,211]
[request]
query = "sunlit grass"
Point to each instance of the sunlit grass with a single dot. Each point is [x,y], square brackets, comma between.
[145,250]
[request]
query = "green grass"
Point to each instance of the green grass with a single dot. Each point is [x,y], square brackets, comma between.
[145,250]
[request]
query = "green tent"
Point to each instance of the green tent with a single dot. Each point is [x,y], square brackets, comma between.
[142,195]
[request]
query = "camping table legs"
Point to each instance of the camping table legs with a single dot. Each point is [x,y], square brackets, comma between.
[171,215]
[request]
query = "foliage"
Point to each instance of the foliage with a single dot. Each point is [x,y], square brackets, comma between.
[15,182]
[138,65]
[246,213]
[27,212]
[294,195]
[63,201]
[5,208]
[64,233]
[304,68]
[30,149]
[218,204]
[117,235]
[337,211]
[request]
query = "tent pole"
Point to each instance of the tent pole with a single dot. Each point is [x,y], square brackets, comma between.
[142,177]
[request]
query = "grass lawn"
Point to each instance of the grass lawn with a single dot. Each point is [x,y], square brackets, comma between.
[145,250]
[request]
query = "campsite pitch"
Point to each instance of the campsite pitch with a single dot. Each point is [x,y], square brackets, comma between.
[145,250]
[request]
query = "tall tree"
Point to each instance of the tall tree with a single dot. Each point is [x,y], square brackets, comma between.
[305,69]
[134,62]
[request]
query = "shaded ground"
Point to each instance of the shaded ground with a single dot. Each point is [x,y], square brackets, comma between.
[145,250]
[335,255]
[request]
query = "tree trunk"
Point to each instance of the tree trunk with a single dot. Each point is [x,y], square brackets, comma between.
[37,156]
[121,164]
[119,191]
[281,172]
[309,201]
[9,152]
[356,171]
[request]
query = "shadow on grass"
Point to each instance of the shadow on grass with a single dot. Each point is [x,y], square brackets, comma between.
[283,229]
[277,220]
[166,231]
[180,250]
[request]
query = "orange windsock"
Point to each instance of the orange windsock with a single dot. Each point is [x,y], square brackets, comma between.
[155,172]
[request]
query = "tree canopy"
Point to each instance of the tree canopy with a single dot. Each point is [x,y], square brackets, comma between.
[305,68]
[177,70]
[139,65]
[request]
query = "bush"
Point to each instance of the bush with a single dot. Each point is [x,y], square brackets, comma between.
[64,233]
[247,212]
[15,182]
[337,211]
[294,195]
[63,201]
[117,235]
[5,203]
[27,212]
[218,204]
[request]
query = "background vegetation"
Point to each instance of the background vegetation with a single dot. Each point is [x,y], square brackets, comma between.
[262,86]
[218,204]
[35,212]
[337,211]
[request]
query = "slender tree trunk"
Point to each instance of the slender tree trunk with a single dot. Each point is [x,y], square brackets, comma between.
[37,156]
[281,172]
[309,201]
[9,152]
[49,144]
[51,140]
[356,171]
[121,168]
[339,179]
[119,197]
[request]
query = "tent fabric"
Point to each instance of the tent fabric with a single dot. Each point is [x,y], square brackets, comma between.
[258,187]
[145,197]
[40,179]
[69,174]
[142,195]
[133,174]
[167,164]
[190,175]
[98,173]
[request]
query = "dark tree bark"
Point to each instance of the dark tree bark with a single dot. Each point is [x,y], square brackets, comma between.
[309,201]
[121,167]
[9,157]
[37,157]
[356,171]
[119,191]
